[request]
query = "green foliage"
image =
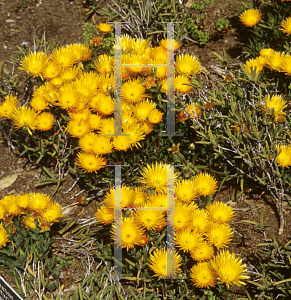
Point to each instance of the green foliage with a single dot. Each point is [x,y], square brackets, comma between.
[221,24]
[27,3]
[201,4]
[197,34]
[64,262]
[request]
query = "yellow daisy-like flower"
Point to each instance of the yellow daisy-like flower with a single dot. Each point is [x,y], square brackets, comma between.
[182,217]
[230,270]
[267,52]
[274,62]
[38,103]
[156,116]
[220,212]
[181,84]
[84,115]
[68,97]
[69,74]
[104,28]
[105,106]
[159,53]
[95,121]
[219,235]
[186,191]
[133,91]
[64,57]
[284,158]
[102,145]
[23,201]
[170,44]
[125,43]
[285,67]
[8,107]
[275,103]
[134,64]
[193,111]
[45,121]
[11,205]
[203,252]
[286,26]
[156,177]
[121,143]
[56,82]
[128,234]
[141,45]
[203,276]
[187,240]
[78,128]
[199,220]
[4,237]
[38,202]
[139,197]
[206,184]
[151,219]
[52,213]
[34,63]
[87,84]
[89,162]
[105,215]
[52,70]
[24,116]
[29,222]
[159,200]
[135,132]
[87,142]
[143,109]
[250,17]
[81,52]
[255,65]
[124,196]
[186,63]
[147,127]
[2,211]
[164,263]
[107,127]
[104,64]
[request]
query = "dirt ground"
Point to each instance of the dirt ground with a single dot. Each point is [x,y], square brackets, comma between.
[62,21]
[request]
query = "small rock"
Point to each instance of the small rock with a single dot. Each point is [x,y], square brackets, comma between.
[10,21]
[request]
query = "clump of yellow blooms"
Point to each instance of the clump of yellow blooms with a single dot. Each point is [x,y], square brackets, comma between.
[200,232]
[30,207]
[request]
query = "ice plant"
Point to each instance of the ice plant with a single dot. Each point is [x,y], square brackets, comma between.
[53,213]
[186,63]
[105,215]
[220,212]
[89,162]
[203,252]
[250,17]
[24,116]
[202,275]
[8,107]
[167,44]
[219,235]
[187,240]
[45,121]
[35,63]
[284,157]
[104,28]
[286,26]
[255,65]
[206,184]
[4,237]
[275,103]
[164,263]
[229,269]
[186,191]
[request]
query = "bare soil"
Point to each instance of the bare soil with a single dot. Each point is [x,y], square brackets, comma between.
[62,21]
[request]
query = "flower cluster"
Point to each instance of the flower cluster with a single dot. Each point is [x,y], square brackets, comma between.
[201,232]
[30,207]
[251,17]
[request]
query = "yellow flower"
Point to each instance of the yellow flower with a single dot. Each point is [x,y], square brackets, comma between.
[45,121]
[136,134]
[78,128]
[105,215]
[139,197]
[134,64]
[23,201]
[164,263]
[52,213]
[125,43]
[64,57]
[69,74]
[140,45]
[250,17]
[89,162]
[286,26]
[155,116]
[95,121]
[199,220]
[220,212]
[124,196]
[151,219]
[107,127]
[2,211]
[219,235]
[147,127]
[193,111]
[29,222]
[186,191]
[203,252]
[267,52]
[4,237]
[87,84]
[102,145]
[105,105]
[159,53]
[143,109]
[229,269]
[187,239]
[56,82]
[168,44]
[8,107]
[104,64]
[206,184]
[104,28]
[127,234]
[84,115]
[186,63]
[24,116]
[203,275]
[121,143]
[285,66]
[156,177]
[81,52]
[11,205]
[274,62]
[133,91]
[52,70]
[255,65]
[34,63]
[284,158]
[159,200]
[182,217]
[38,102]
[38,202]
[180,84]
[275,103]
[87,142]
[68,97]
